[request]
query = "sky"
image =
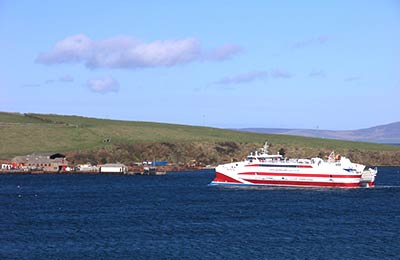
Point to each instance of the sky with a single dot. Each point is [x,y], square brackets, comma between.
[229,64]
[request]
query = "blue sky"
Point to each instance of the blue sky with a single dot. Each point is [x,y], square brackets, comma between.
[287,64]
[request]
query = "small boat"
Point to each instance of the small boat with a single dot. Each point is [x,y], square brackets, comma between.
[152,171]
[261,168]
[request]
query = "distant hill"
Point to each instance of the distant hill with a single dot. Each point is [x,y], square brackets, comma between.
[388,134]
[95,140]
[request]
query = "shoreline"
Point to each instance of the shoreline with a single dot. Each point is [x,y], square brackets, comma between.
[102,173]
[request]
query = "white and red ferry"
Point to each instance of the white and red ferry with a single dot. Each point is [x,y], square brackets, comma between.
[261,168]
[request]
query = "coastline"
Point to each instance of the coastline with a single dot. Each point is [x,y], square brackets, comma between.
[131,171]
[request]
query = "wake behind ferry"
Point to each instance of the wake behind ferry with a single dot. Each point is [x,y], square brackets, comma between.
[261,168]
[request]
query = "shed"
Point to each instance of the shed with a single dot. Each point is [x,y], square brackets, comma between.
[113,168]
[52,162]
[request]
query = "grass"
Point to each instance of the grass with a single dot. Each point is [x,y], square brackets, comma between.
[27,133]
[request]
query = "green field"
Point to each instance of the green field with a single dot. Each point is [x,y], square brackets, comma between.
[36,133]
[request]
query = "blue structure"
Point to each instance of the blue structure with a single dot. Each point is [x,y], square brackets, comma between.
[156,163]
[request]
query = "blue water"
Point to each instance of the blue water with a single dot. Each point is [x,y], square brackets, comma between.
[178,216]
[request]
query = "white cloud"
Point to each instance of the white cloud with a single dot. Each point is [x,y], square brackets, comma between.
[72,49]
[254,75]
[128,52]
[103,85]
[224,52]
[242,78]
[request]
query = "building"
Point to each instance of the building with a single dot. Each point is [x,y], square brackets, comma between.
[155,163]
[41,162]
[113,168]
[86,168]
[7,166]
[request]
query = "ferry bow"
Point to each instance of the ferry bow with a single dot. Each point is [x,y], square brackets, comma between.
[261,168]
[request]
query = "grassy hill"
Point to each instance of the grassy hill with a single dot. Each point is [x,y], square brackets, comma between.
[89,139]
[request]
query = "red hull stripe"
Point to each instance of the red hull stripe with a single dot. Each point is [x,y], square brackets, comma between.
[223,178]
[305,183]
[284,174]
[304,166]
[293,166]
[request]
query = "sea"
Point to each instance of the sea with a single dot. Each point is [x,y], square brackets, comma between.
[180,216]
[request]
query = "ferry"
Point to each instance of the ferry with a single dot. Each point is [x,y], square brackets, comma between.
[261,168]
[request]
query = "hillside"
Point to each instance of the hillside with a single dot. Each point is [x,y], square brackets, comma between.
[100,140]
[389,133]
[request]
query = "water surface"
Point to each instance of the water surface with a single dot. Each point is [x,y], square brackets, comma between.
[179,216]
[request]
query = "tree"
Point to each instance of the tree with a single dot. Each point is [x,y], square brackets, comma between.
[103,160]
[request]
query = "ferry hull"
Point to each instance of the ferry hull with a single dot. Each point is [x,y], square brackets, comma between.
[222,179]
[261,168]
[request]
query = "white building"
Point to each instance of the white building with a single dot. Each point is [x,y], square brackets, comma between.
[87,168]
[113,168]
[6,166]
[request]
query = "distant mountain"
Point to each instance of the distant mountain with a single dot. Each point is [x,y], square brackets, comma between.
[389,134]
